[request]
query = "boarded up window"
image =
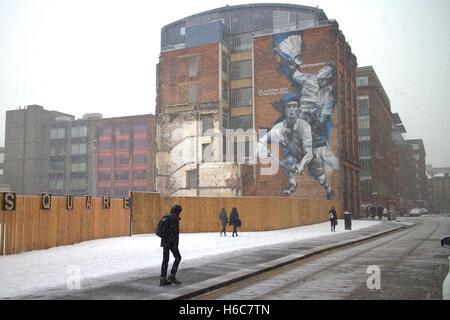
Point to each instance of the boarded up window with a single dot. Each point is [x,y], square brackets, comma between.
[192,93]
[193,66]
[191,179]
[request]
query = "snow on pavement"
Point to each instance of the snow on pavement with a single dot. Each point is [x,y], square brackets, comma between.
[38,270]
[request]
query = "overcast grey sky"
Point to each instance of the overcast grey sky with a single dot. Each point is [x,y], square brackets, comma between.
[79,56]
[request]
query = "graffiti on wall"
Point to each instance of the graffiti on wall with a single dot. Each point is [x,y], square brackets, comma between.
[305,122]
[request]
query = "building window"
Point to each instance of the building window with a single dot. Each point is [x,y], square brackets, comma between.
[80,131]
[121,130]
[241,43]
[362,81]
[104,161]
[207,123]
[182,31]
[207,152]
[79,167]
[192,91]
[241,70]
[139,175]
[140,142]
[104,176]
[225,118]
[58,133]
[224,92]
[242,122]
[122,160]
[193,66]
[363,105]
[79,148]
[363,122]
[224,62]
[191,179]
[121,175]
[140,158]
[241,97]
[122,144]
[140,128]
[364,148]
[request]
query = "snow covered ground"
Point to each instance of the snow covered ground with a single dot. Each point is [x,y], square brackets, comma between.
[39,270]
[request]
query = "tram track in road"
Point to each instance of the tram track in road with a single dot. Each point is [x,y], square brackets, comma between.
[229,289]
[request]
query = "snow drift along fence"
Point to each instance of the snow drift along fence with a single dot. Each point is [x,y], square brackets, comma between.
[30,227]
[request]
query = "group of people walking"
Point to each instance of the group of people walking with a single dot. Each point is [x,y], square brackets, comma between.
[169,230]
[234,221]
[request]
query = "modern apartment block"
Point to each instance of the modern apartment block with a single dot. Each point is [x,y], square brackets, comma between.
[48,151]
[375,123]
[438,188]
[27,148]
[237,68]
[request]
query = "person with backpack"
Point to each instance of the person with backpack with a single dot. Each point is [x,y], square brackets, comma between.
[169,230]
[234,220]
[333,218]
[223,220]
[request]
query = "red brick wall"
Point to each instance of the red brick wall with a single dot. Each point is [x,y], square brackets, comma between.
[175,74]
[320,47]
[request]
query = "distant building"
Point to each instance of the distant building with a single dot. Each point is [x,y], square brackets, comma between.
[418,182]
[48,151]
[229,68]
[27,148]
[125,155]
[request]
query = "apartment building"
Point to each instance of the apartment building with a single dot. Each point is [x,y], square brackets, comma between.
[376,156]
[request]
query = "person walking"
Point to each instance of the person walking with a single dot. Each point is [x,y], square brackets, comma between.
[234,220]
[223,220]
[333,218]
[169,242]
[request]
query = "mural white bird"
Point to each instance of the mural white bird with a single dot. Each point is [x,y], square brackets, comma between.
[292,47]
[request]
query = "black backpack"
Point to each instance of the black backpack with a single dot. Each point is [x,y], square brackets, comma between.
[162,227]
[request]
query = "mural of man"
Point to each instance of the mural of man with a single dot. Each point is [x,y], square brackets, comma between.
[317,101]
[294,135]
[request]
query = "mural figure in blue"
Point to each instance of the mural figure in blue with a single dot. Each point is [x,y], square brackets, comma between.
[317,98]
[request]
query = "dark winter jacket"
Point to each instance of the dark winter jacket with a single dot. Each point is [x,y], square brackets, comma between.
[223,217]
[234,217]
[333,216]
[173,230]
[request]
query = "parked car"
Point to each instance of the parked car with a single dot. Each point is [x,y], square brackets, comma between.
[445,242]
[424,211]
[416,212]
[436,211]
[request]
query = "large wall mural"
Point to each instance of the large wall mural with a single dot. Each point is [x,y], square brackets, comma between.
[302,129]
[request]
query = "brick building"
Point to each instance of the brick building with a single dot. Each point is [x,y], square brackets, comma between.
[125,155]
[223,69]
[376,154]
[418,178]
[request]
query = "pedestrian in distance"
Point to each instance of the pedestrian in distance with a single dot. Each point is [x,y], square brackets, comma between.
[333,218]
[170,225]
[234,221]
[380,213]
[224,221]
